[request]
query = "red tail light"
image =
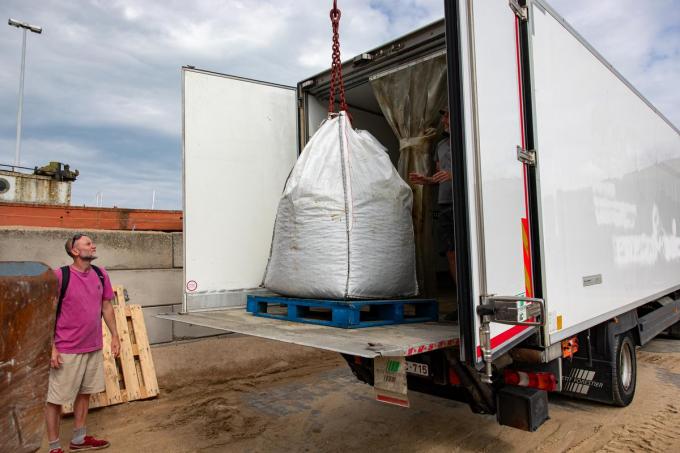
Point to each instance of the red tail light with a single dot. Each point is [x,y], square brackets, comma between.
[538,380]
[453,377]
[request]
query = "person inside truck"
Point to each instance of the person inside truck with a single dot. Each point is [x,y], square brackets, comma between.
[442,177]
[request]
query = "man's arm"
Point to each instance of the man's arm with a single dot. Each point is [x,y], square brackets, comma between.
[110,320]
[440,175]
[55,360]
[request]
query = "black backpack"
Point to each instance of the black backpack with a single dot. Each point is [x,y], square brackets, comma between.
[65,277]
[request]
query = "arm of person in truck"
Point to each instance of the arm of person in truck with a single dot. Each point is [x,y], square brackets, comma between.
[438,177]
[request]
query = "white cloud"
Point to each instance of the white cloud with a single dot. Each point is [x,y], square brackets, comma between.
[113,66]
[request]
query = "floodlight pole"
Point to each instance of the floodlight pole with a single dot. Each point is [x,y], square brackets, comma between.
[24,27]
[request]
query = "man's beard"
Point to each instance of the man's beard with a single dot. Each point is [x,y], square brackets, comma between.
[88,258]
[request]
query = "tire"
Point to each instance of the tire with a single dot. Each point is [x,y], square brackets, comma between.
[624,370]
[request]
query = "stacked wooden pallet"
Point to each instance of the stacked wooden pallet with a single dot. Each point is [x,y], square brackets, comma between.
[132,375]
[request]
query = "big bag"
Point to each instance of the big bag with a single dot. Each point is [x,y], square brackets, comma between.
[343,229]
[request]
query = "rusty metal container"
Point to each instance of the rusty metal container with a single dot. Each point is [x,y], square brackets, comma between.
[28,299]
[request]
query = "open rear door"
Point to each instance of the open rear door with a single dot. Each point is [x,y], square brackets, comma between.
[239,145]
[495,189]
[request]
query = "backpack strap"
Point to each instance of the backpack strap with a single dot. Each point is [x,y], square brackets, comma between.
[99,273]
[65,277]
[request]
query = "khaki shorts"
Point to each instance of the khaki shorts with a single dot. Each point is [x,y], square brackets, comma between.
[80,373]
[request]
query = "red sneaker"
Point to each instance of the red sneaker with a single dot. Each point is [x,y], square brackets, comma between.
[90,443]
[56,450]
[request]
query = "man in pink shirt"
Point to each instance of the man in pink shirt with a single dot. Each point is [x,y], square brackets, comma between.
[77,369]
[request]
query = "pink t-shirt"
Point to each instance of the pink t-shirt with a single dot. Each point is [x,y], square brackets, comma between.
[79,327]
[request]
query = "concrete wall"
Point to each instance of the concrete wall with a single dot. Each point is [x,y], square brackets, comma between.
[147,264]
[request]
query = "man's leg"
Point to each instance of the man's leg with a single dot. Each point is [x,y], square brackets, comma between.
[53,419]
[80,408]
[92,382]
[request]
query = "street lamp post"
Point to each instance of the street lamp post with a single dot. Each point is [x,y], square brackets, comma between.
[24,27]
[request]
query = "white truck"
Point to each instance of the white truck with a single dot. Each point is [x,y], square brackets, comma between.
[566,186]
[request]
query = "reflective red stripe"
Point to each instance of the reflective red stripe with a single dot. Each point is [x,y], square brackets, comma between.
[390,400]
[502,337]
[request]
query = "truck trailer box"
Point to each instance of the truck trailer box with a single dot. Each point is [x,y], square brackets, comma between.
[566,190]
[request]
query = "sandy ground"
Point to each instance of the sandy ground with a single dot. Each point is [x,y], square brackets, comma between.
[244,394]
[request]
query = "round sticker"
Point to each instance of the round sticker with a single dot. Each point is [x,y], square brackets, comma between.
[192,285]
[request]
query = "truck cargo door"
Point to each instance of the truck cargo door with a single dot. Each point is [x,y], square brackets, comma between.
[239,140]
[494,188]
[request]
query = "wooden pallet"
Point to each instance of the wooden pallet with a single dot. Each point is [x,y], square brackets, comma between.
[132,375]
[351,314]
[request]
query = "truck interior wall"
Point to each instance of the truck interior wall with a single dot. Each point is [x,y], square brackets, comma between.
[609,176]
[361,119]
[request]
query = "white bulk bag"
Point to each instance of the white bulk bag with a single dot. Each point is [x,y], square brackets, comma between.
[343,228]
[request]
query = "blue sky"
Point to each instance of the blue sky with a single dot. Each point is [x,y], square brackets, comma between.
[102,86]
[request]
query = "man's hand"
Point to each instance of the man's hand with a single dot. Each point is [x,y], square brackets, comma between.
[441,176]
[115,346]
[56,359]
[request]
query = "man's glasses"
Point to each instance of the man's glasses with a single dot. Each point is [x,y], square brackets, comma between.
[75,238]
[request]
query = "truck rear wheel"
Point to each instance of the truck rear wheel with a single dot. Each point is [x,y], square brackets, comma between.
[624,370]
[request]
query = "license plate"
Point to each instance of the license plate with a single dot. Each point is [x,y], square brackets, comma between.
[421,369]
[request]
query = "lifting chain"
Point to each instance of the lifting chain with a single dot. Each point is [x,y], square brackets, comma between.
[337,82]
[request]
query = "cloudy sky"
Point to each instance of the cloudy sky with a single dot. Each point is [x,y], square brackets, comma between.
[102,89]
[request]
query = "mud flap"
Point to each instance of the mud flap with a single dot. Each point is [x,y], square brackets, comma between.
[592,381]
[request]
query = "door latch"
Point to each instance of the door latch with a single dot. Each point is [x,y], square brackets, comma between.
[526,156]
[520,11]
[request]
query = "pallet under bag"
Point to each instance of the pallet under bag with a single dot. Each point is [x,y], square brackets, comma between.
[343,228]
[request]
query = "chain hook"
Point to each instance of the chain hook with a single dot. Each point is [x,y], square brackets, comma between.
[336,82]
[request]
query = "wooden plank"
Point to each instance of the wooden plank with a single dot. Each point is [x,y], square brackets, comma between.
[145,358]
[143,394]
[127,360]
[112,393]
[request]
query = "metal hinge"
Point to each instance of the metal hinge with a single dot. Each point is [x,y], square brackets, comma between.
[526,156]
[520,11]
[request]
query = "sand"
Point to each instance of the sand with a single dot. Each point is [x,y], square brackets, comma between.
[245,394]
